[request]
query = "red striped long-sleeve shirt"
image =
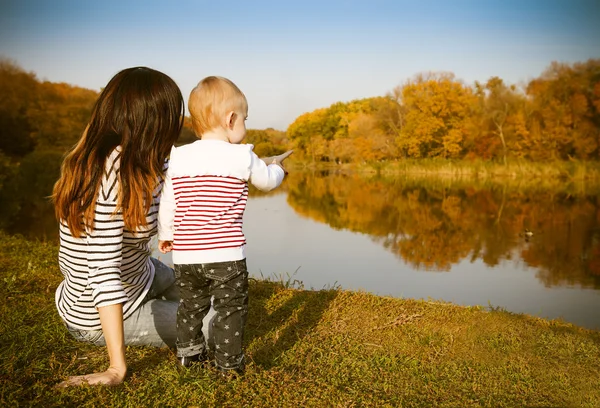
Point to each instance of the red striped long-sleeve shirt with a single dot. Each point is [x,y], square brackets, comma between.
[204,198]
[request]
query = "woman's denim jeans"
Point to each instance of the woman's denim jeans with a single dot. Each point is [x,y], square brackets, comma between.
[154,322]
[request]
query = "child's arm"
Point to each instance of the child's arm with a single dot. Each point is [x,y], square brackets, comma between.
[166,215]
[267,176]
[277,159]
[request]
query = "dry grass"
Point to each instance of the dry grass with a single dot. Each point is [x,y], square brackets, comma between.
[474,169]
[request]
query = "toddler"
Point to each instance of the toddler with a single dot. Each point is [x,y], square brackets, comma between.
[200,220]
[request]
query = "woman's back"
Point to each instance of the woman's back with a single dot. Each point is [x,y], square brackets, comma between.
[109,264]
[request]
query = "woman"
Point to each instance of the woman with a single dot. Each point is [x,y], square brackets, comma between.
[106,201]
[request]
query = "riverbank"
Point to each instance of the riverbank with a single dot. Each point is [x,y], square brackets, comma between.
[305,348]
[472,169]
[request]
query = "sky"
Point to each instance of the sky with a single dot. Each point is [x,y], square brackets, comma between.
[291,57]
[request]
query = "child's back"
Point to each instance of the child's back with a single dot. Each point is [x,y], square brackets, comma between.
[200,220]
[208,179]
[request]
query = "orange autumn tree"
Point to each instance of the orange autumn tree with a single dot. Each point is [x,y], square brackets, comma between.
[566,111]
[60,113]
[187,134]
[362,135]
[369,140]
[436,111]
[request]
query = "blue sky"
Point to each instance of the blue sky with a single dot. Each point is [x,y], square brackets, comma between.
[293,57]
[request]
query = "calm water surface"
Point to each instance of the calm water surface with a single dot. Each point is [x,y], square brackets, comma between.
[449,241]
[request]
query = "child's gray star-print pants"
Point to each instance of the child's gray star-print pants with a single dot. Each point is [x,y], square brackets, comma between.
[227,282]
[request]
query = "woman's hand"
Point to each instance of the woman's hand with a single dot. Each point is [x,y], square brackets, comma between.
[111,319]
[112,376]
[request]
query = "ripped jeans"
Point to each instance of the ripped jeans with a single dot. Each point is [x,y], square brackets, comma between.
[153,323]
[227,284]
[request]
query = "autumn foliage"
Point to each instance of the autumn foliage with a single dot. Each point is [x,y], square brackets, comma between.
[39,115]
[435,115]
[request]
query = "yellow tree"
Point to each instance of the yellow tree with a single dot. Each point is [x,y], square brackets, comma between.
[391,112]
[436,108]
[306,134]
[370,141]
[342,132]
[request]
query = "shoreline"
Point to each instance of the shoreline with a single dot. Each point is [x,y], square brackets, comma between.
[565,171]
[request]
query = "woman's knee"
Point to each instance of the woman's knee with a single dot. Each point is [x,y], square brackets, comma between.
[94,337]
[163,285]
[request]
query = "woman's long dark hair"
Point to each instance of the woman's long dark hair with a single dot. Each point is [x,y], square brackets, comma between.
[141,110]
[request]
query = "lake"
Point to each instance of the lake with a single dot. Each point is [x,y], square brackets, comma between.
[524,246]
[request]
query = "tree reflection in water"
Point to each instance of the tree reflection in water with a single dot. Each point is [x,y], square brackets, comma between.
[433,225]
[430,223]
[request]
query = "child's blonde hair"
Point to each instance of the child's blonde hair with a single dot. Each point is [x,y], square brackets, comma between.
[211,100]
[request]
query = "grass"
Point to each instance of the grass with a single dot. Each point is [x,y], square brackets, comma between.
[574,170]
[328,348]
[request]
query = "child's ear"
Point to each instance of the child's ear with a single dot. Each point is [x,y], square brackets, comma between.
[231,116]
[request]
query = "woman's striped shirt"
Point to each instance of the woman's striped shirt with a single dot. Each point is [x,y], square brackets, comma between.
[109,265]
[204,199]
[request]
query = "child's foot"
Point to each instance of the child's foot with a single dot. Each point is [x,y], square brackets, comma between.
[187,361]
[229,374]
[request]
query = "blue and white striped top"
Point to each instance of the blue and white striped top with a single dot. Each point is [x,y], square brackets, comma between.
[110,265]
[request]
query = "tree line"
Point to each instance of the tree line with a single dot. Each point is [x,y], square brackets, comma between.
[432,115]
[435,115]
[39,114]
[46,116]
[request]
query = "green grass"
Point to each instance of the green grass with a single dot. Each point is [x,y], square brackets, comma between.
[328,348]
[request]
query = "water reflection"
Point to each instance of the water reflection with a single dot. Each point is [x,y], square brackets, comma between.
[385,236]
[435,225]
[430,225]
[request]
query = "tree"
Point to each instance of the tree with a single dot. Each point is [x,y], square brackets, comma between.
[436,109]
[370,142]
[267,142]
[566,114]
[343,132]
[60,113]
[306,132]
[499,114]
[40,115]
[18,89]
